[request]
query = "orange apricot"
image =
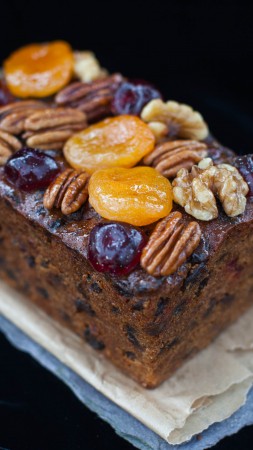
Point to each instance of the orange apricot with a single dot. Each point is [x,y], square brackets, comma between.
[138,196]
[39,70]
[120,141]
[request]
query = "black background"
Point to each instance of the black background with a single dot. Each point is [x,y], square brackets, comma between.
[198,52]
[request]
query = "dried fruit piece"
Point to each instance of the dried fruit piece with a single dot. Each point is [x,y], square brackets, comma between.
[5,95]
[219,154]
[138,196]
[245,166]
[171,156]
[170,244]
[8,145]
[39,70]
[181,120]
[68,192]
[115,247]
[30,169]
[130,98]
[115,142]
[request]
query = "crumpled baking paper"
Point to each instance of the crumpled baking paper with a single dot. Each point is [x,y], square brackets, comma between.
[206,390]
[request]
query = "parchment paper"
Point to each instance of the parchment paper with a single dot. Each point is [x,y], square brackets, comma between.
[207,389]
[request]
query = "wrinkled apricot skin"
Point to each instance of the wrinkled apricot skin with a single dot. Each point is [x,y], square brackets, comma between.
[39,70]
[120,141]
[138,196]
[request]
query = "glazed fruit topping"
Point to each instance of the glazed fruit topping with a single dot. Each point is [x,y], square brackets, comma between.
[115,247]
[39,70]
[30,169]
[245,166]
[220,155]
[5,95]
[138,196]
[130,98]
[115,142]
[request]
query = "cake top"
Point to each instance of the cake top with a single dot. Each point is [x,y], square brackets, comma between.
[135,183]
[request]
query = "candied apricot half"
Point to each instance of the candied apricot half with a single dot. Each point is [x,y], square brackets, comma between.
[138,196]
[120,141]
[39,70]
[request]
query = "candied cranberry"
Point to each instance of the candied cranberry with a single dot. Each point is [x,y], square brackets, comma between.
[220,155]
[30,169]
[115,247]
[5,95]
[130,98]
[245,166]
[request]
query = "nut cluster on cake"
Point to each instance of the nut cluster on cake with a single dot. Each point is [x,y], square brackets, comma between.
[133,156]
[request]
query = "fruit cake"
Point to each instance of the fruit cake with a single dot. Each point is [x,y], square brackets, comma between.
[121,216]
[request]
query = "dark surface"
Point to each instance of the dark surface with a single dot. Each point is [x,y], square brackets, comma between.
[199,52]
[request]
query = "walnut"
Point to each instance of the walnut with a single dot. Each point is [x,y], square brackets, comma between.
[231,189]
[180,119]
[87,67]
[159,130]
[196,190]
[195,197]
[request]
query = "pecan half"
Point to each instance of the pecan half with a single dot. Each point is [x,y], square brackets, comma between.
[171,156]
[181,120]
[92,98]
[170,244]
[68,192]
[8,145]
[13,115]
[50,128]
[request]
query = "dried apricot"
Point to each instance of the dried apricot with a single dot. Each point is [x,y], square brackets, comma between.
[138,196]
[115,142]
[39,70]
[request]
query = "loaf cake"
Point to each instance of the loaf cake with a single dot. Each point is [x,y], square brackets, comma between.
[121,216]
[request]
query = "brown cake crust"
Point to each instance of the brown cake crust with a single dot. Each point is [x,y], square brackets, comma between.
[146,326]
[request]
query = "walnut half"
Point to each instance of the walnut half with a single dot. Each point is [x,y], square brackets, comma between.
[175,119]
[87,67]
[196,190]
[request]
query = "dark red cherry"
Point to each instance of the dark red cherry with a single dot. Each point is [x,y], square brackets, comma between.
[30,169]
[221,155]
[130,98]
[5,95]
[245,166]
[115,247]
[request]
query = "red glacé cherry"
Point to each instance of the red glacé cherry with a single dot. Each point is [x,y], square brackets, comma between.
[131,97]
[245,166]
[115,247]
[30,169]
